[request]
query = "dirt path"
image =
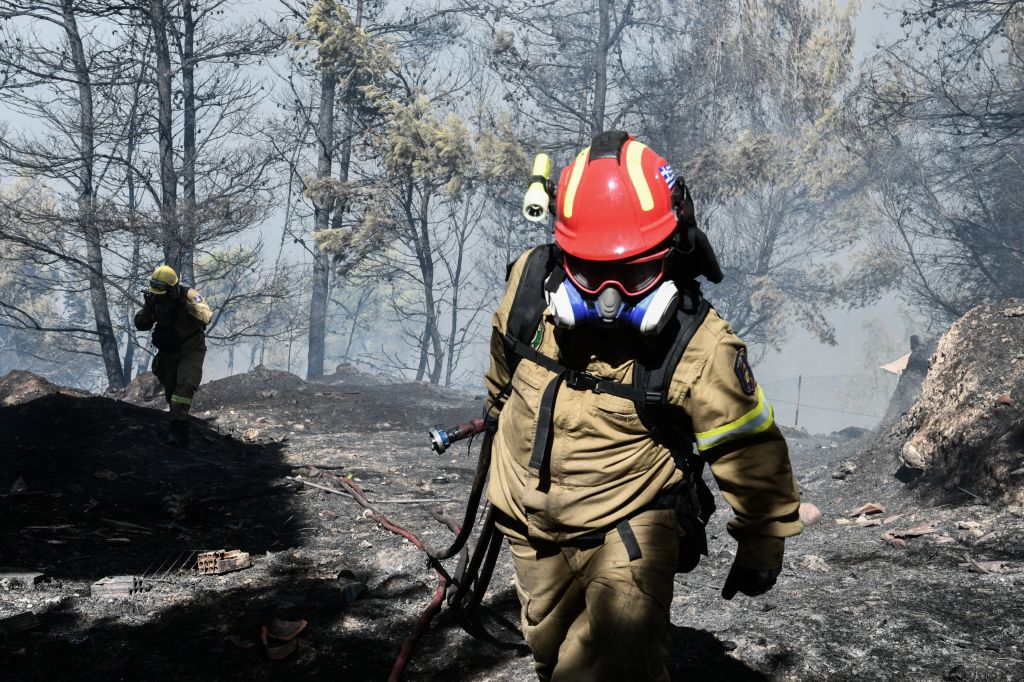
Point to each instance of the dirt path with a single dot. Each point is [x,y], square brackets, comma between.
[103,497]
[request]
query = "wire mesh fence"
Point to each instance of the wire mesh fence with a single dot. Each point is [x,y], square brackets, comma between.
[823,404]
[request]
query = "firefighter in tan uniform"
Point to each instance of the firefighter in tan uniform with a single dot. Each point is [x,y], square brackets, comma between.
[180,315]
[581,484]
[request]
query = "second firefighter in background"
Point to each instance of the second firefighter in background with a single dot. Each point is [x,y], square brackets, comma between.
[178,316]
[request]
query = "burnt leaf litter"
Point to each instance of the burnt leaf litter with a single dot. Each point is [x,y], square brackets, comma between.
[916,577]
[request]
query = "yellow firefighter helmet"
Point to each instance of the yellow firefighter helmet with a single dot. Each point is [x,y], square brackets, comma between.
[164,277]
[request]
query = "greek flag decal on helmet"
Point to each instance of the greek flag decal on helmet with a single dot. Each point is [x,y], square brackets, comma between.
[668,175]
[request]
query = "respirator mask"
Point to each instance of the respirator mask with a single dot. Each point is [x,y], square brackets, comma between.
[612,295]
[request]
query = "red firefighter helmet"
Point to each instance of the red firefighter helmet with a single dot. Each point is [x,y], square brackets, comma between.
[614,201]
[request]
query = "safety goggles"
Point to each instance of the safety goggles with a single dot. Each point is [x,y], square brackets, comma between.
[156,285]
[634,277]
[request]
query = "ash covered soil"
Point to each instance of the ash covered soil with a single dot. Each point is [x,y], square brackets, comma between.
[95,493]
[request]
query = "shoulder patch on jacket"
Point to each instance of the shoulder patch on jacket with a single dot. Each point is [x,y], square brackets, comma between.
[743,372]
[197,298]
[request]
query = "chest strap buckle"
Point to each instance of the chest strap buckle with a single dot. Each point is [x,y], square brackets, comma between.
[582,381]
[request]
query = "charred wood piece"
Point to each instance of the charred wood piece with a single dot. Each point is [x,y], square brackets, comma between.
[117,586]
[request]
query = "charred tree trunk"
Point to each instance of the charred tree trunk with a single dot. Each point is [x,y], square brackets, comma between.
[431,336]
[86,203]
[600,66]
[129,325]
[322,205]
[453,341]
[189,226]
[173,246]
[133,123]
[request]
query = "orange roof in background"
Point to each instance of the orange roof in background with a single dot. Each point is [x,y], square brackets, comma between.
[897,366]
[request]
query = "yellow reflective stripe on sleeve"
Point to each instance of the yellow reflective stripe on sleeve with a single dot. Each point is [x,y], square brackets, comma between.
[634,154]
[755,421]
[574,182]
[181,399]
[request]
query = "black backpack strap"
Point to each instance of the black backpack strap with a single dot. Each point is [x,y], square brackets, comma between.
[653,371]
[528,304]
[581,381]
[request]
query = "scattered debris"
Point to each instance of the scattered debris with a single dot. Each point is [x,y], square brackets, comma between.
[914,532]
[867,521]
[813,562]
[351,587]
[809,514]
[105,475]
[1004,399]
[274,648]
[893,540]
[985,537]
[866,509]
[844,470]
[911,456]
[1014,312]
[218,561]
[117,586]
[19,485]
[982,566]
[250,435]
[399,500]
[285,630]
[968,525]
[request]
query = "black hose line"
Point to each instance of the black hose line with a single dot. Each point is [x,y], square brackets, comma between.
[482,467]
[481,581]
[483,542]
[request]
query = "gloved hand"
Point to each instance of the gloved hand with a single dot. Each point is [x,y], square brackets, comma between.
[757,565]
[749,581]
[148,300]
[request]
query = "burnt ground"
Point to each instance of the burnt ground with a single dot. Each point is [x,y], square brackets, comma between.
[95,493]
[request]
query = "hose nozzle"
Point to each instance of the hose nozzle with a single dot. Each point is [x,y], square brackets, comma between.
[537,198]
[441,439]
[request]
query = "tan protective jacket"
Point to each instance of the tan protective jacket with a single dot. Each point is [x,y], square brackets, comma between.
[604,466]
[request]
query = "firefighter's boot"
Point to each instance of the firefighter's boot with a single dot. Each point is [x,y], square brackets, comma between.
[178,435]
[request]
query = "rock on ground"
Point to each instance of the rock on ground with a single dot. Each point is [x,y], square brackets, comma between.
[967,428]
[144,388]
[17,387]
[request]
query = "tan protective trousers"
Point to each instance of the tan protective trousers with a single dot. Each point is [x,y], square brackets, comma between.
[180,373]
[590,614]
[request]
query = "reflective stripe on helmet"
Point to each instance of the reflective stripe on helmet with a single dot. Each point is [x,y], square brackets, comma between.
[634,154]
[757,420]
[574,181]
[625,204]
